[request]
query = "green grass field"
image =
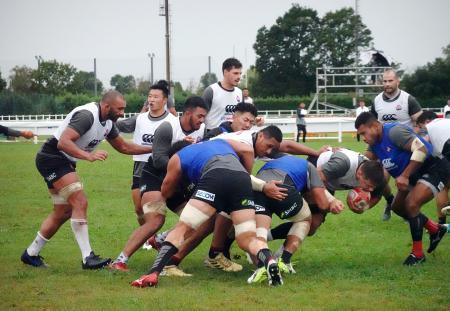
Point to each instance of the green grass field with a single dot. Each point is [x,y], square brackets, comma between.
[353,262]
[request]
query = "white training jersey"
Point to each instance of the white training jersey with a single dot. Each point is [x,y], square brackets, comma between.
[396,110]
[144,132]
[89,140]
[222,105]
[178,133]
[439,133]
[348,181]
[360,110]
[245,137]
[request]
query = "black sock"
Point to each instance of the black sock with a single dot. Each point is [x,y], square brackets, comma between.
[281,231]
[389,199]
[286,256]
[416,226]
[165,254]
[264,255]
[226,247]
[213,252]
[442,220]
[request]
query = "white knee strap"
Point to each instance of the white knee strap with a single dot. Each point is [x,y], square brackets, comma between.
[227,216]
[155,207]
[246,226]
[262,233]
[68,190]
[58,199]
[192,216]
[300,229]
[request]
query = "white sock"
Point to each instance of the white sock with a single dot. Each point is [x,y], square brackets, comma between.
[269,236]
[35,247]
[122,258]
[80,230]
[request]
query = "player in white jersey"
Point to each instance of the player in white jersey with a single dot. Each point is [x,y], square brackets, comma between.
[394,105]
[438,134]
[144,126]
[223,96]
[76,138]
[187,127]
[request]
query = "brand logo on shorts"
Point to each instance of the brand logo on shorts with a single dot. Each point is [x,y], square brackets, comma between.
[247,202]
[142,189]
[289,210]
[205,195]
[388,164]
[51,177]
[147,138]
[259,208]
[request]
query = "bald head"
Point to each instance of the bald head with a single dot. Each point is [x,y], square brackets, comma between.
[112,105]
[111,96]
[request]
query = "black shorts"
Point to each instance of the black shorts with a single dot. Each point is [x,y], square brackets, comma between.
[151,178]
[434,173]
[284,209]
[53,167]
[226,190]
[137,172]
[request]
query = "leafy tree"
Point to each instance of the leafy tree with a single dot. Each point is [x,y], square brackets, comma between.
[53,77]
[431,80]
[83,83]
[22,80]
[2,82]
[142,86]
[123,84]
[206,80]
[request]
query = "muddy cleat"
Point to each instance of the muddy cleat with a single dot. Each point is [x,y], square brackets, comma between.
[174,270]
[93,262]
[119,266]
[446,210]
[412,260]
[35,261]
[285,267]
[436,238]
[387,213]
[274,274]
[223,263]
[258,276]
[147,280]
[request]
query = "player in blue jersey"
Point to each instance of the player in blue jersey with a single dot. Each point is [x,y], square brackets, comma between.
[418,176]
[220,169]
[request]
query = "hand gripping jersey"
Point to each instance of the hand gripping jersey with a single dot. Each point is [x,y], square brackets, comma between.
[393,158]
[144,131]
[89,140]
[193,158]
[294,167]
[348,180]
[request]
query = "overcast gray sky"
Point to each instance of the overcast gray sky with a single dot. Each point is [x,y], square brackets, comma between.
[121,33]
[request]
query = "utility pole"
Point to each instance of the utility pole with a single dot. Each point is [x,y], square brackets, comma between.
[209,65]
[151,56]
[356,51]
[95,77]
[165,13]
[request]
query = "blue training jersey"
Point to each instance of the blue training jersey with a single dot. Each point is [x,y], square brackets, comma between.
[393,158]
[193,158]
[294,167]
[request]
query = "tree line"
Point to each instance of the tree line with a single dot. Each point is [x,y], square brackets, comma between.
[287,55]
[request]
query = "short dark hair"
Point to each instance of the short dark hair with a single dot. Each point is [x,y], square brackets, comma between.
[194,102]
[365,118]
[111,95]
[246,107]
[425,116]
[373,170]
[163,86]
[229,63]
[177,146]
[273,131]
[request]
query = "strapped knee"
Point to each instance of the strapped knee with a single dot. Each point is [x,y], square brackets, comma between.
[155,207]
[300,229]
[262,233]
[58,199]
[68,190]
[192,216]
[246,226]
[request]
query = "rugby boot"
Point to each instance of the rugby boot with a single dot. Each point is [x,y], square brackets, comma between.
[147,280]
[412,260]
[436,238]
[223,263]
[258,276]
[35,261]
[387,213]
[274,274]
[93,262]
[119,266]
[174,270]
[285,267]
